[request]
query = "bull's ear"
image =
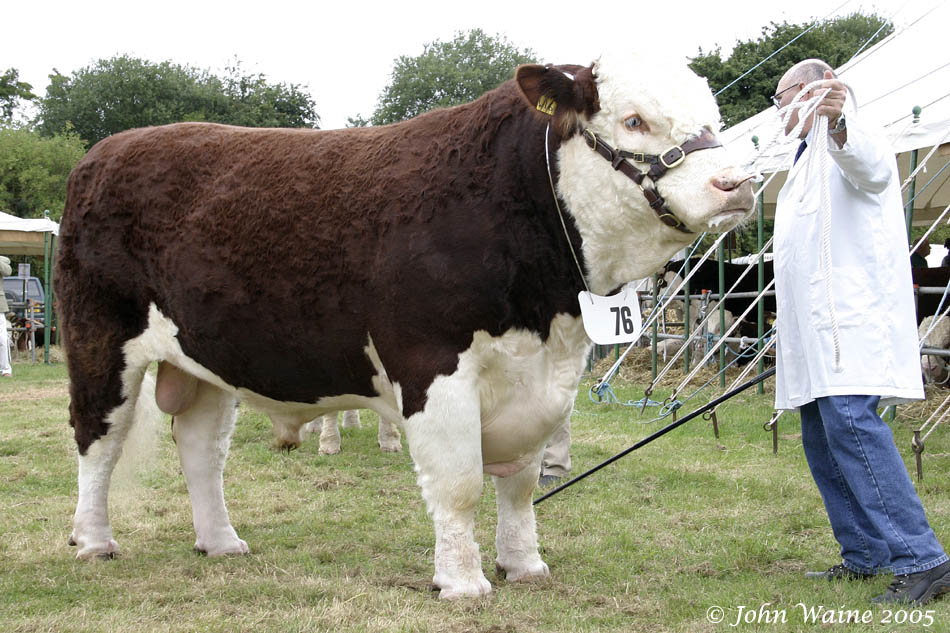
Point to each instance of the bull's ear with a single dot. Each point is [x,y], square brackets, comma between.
[544,88]
[559,94]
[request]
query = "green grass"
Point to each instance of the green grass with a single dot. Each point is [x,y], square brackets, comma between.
[343,543]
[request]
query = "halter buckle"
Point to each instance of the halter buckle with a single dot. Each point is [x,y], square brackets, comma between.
[675,160]
[590,137]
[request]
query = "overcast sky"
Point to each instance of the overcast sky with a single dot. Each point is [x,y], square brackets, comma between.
[343,52]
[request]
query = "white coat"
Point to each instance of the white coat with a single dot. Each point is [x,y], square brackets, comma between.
[871,280]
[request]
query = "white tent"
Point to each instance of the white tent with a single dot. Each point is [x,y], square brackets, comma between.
[19,236]
[911,67]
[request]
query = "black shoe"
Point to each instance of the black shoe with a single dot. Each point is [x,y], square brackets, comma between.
[546,481]
[838,572]
[919,588]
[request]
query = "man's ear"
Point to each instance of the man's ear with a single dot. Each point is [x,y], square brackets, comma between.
[561,93]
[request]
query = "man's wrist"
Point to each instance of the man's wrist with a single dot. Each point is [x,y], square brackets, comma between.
[840,125]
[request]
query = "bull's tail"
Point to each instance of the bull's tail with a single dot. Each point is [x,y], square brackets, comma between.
[141,443]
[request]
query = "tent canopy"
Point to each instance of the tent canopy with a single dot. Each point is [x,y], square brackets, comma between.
[20,236]
[909,68]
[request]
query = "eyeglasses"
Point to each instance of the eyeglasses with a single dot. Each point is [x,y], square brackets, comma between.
[777,97]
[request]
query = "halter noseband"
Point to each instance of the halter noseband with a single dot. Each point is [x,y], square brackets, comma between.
[659,165]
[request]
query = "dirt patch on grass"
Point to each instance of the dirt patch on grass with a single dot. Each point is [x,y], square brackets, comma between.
[36,393]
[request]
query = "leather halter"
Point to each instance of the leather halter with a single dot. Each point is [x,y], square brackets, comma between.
[659,165]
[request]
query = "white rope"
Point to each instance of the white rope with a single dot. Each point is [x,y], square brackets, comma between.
[938,411]
[668,297]
[933,323]
[697,333]
[658,309]
[721,340]
[818,159]
[752,364]
[824,208]
[931,229]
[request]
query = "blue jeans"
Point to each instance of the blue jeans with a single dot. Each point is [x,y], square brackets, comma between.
[873,507]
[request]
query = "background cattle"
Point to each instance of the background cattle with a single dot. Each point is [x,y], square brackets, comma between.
[928,303]
[328,429]
[933,368]
[430,270]
[707,278]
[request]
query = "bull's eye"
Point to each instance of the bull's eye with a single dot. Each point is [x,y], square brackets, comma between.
[632,122]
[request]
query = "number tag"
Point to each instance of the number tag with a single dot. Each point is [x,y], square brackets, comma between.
[609,320]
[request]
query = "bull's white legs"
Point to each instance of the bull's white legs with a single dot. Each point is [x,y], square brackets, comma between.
[388,436]
[92,532]
[203,435]
[445,443]
[351,419]
[516,539]
[330,443]
[329,434]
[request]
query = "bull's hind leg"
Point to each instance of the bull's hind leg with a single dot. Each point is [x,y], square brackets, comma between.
[516,538]
[92,532]
[203,434]
[445,443]
[388,436]
[351,419]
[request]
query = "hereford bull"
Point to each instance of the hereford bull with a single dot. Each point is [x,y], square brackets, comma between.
[427,270]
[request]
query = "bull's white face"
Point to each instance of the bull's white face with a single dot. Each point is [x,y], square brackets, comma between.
[648,106]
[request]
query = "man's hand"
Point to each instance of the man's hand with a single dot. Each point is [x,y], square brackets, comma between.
[832,104]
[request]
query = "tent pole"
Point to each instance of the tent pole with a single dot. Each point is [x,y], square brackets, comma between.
[686,268]
[721,254]
[656,304]
[47,249]
[911,192]
[760,308]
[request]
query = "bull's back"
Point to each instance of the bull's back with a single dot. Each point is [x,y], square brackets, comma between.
[249,238]
[234,234]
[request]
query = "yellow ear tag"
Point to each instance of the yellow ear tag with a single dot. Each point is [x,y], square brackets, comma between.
[547,105]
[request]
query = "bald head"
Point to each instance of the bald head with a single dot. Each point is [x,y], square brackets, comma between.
[792,83]
[804,72]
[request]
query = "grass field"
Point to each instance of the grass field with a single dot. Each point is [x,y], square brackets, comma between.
[652,543]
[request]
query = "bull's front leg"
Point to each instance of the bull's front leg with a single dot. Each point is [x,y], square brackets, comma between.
[445,443]
[516,538]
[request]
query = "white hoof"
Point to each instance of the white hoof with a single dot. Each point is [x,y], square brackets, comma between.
[235,546]
[473,588]
[92,551]
[329,449]
[525,572]
[391,447]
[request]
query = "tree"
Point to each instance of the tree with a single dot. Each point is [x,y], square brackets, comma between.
[125,92]
[253,102]
[447,74]
[34,170]
[11,91]
[834,41]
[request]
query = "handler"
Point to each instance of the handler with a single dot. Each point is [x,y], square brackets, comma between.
[5,370]
[847,341]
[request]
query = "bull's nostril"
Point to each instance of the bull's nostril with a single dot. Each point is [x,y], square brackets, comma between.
[730,184]
[724,184]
